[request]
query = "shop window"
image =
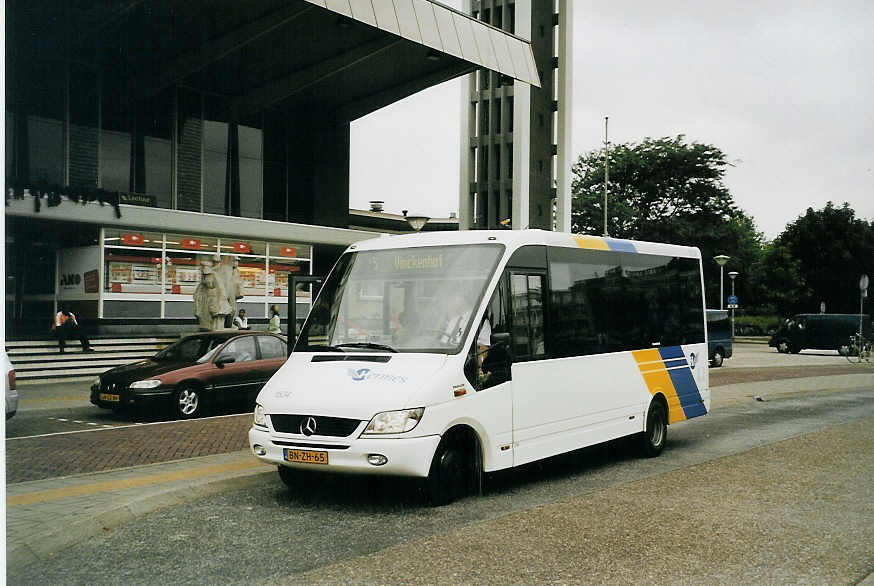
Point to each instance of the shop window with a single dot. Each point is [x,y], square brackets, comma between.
[286,260]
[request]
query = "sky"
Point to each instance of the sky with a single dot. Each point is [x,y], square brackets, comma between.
[784,88]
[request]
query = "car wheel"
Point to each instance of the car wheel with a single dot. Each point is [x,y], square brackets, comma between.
[188,402]
[656,433]
[783,347]
[448,478]
[795,349]
[716,361]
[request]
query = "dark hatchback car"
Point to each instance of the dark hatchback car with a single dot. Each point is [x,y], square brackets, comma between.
[197,372]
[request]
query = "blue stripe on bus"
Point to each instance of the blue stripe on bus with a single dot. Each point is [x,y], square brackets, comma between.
[684,383]
[620,245]
[677,362]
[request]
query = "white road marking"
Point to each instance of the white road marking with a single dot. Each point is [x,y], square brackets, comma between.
[108,427]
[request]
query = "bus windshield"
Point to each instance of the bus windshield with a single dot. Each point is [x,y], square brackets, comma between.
[404,300]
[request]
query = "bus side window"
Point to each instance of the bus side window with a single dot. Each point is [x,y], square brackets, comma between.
[526,293]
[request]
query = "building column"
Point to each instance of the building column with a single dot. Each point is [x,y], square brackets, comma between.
[564,114]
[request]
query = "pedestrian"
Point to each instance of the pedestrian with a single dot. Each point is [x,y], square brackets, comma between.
[273,326]
[65,326]
[241,322]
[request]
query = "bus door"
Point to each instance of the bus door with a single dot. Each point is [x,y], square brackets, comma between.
[536,404]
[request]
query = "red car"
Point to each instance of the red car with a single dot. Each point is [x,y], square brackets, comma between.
[195,373]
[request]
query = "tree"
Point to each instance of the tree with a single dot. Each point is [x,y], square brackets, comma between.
[668,190]
[776,282]
[833,249]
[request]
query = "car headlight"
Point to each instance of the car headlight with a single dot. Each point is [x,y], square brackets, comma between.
[260,416]
[95,382]
[394,421]
[146,384]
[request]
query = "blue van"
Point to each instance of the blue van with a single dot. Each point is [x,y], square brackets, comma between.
[718,336]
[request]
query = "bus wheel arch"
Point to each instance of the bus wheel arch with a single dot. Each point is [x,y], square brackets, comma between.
[456,468]
[655,432]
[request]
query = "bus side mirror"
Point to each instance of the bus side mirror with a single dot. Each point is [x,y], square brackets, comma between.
[501,339]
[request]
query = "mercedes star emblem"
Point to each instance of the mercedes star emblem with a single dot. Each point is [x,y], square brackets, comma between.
[308,427]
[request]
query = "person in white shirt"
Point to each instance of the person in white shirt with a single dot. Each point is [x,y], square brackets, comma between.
[241,322]
[66,326]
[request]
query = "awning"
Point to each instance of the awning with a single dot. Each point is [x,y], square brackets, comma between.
[445,30]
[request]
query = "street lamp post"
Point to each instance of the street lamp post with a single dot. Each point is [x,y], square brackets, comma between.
[721,259]
[732,275]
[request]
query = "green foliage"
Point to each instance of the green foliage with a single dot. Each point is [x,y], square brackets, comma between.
[668,190]
[756,325]
[832,249]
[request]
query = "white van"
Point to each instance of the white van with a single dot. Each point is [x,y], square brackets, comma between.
[444,355]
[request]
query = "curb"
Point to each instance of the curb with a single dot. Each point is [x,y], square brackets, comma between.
[43,544]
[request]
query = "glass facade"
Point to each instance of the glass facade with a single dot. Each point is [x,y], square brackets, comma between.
[176,149]
[161,271]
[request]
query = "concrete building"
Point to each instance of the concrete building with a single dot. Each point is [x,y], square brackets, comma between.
[144,135]
[515,138]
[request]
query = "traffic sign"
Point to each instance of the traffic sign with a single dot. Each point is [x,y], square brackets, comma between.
[732,300]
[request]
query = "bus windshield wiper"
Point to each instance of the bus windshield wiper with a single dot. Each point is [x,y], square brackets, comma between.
[370,345]
[324,348]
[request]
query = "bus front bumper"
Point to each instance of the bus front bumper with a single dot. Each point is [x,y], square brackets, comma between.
[403,456]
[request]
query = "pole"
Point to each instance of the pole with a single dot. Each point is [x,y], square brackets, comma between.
[720,288]
[732,309]
[606,171]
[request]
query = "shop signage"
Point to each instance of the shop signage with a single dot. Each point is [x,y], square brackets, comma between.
[133,239]
[138,199]
[92,281]
[288,251]
[54,194]
[242,247]
[191,243]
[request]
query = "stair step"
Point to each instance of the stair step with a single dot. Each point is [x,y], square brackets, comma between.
[85,373]
[61,364]
[78,349]
[30,359]
[17,344]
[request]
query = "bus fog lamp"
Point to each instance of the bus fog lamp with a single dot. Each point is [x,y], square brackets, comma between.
[376,459]
[259,450]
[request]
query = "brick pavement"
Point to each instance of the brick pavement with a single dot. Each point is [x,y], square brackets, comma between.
[37,458]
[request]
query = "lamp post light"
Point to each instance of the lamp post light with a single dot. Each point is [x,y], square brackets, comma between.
[721,260]
[417,222]
[732,275]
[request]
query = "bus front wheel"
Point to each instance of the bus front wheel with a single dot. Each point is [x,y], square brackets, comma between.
[656,433]
[447,480]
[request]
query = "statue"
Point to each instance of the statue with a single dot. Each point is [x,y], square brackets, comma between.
[211,307]
[228,272]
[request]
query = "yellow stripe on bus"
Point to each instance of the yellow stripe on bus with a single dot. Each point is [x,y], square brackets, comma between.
[593,242]
[658,380]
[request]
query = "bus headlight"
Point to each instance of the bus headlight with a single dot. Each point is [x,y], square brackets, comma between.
[394,421]
[260,416]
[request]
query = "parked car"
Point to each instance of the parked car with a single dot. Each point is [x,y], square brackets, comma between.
[718,336]
[195,373]
[11,391]
[823,331]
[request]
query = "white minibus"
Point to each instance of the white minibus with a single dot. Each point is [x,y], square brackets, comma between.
[445,355]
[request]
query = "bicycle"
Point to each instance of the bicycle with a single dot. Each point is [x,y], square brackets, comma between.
[858,349]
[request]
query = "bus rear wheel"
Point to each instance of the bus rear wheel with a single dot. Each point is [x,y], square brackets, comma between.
[652,440]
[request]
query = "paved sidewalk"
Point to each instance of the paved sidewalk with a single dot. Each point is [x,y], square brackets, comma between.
[45,516]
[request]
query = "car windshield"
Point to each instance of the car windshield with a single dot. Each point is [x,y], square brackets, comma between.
[403,300]
[190,349]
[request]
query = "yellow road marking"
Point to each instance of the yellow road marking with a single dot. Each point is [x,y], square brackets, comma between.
[73,491]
